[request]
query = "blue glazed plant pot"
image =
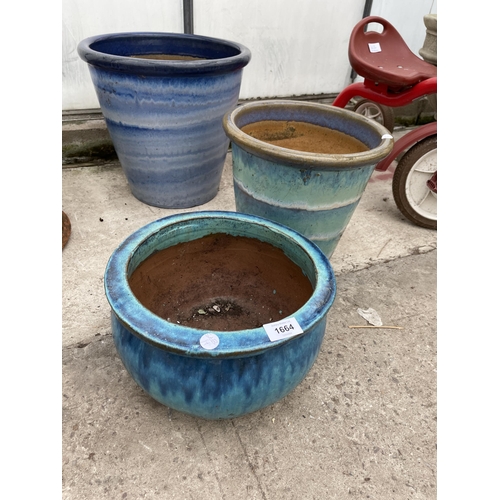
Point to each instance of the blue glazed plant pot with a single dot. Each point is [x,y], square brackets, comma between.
[237,372]
[315,194]
[164,116]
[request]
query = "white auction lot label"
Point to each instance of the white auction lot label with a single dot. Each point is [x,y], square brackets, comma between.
[282,329]
[209,341]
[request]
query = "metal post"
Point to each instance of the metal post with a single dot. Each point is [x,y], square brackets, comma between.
[368,8]
[366,12]
[187,9]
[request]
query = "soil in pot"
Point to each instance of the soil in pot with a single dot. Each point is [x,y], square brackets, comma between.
[221,283]
[305,137]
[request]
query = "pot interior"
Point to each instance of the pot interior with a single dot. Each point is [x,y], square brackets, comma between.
[167,57]
[184,228]
[363,132]
[164,46]
[303,136]
[220,282]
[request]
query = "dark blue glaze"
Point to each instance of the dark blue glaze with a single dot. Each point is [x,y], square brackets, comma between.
[165,116]
[113,51]
[246,371]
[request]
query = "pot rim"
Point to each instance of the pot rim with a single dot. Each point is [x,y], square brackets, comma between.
[89,53]
[292,157]
[185,340]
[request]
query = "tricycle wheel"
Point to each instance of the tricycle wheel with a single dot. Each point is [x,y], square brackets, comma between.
[382,114]
[414,184]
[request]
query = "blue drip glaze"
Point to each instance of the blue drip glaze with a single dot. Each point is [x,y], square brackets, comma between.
[165,117]
[246,372]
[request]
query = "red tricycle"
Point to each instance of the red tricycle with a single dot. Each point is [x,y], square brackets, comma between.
[393,77]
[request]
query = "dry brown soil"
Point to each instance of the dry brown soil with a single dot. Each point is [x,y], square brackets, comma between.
[305,137]
[221,283]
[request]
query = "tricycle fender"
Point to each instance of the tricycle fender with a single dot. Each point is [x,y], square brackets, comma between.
[405,142]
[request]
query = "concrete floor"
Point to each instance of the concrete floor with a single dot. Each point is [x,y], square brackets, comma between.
[361,425]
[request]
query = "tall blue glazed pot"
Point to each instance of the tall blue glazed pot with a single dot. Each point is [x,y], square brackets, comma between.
[165,116]
[315,194]
[246,371]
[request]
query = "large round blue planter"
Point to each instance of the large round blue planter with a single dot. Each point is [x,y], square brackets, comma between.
[165,116]
[315,194]
[246,371]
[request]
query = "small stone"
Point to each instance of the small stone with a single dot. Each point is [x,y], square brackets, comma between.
[217,308]
[201,311]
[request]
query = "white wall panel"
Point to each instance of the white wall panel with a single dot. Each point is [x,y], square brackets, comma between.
[84,18]
[298,47]
[407,17]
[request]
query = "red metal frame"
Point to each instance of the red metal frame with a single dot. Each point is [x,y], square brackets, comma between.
[382,95]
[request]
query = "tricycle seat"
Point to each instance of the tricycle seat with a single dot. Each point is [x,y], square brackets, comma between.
[384,58]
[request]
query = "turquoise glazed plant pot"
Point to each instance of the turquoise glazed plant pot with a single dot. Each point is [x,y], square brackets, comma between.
[215,374]
[163,96]
[315,194]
